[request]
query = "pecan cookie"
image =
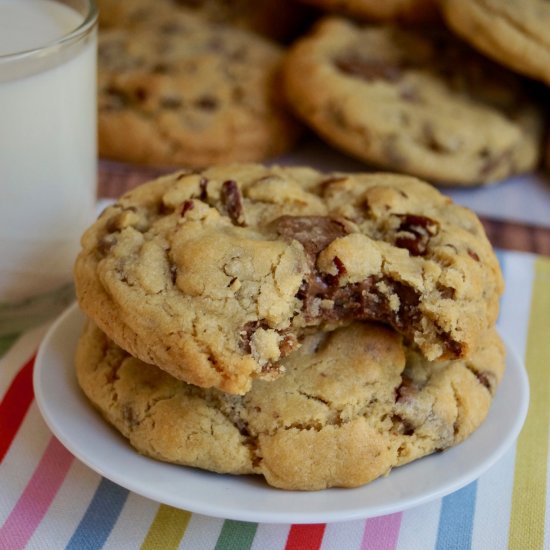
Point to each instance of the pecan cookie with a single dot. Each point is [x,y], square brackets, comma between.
[353,404]
[513,32]
[180,91]
[216,275]
[412,101]
[406,11]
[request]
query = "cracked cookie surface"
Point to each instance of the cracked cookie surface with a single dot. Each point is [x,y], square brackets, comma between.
[414,101]
[353,404]
[216,275]
[513,32]
[179,91]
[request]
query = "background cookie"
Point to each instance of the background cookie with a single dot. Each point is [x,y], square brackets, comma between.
[180,91]
[513,32]
[215,275]
[410,11]
[348,409]
[277,19]
[418,102]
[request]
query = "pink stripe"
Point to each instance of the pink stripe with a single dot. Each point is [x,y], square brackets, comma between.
[381,533]
[37,496]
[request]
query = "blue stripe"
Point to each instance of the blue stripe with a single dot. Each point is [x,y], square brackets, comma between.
[100,517]
[457,519]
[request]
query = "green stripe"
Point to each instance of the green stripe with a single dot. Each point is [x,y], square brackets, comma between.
[236,535]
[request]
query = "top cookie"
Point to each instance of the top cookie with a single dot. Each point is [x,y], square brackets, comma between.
[407,11]
[418,102]
[178,91]
[215,276]
[513,32]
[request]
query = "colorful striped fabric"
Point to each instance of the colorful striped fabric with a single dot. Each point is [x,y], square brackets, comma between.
[50,500]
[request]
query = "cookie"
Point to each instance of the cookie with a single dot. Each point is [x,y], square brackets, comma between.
[417,102]
[216,275]
[352,405]
[179,91]
[405,11]
[513,32]
[280,20]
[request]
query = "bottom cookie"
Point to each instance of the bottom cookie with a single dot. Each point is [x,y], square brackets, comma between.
[352,405]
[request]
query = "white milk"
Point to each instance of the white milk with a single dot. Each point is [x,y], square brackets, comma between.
[48,155]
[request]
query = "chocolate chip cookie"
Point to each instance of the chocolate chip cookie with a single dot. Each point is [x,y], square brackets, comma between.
[513,32]
[353,404]
[417,102]
[277,19]
[179,91]
[216,275]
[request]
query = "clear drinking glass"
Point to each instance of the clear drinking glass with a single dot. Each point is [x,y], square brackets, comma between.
[48,152]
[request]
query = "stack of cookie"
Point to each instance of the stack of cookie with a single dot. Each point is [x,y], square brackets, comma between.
[316,329]
[438,89]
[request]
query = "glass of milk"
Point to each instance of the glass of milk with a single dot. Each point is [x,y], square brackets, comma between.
[48,152]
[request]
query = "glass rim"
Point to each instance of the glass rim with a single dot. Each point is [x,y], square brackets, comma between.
[83,29]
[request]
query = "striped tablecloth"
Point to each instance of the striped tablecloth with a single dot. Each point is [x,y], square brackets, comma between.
[50,500]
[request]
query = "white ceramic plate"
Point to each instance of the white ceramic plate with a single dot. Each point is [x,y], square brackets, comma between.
[81,429]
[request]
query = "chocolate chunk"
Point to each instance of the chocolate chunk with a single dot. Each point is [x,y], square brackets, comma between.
[333,280]
[361,301]
[246,334]
[473,255]
[446,292]
[486,379]
[207,103]
[203,184]
[173,273]
[315,233]
[186,206]
[233,201]
[368,69]
[141,94]
[414,233]
[402,426]
[288,344]
[114,99]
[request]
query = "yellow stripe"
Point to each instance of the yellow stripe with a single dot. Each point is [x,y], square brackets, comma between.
[529,495]
[167,529]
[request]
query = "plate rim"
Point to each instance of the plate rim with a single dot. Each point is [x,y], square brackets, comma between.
[259,515]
